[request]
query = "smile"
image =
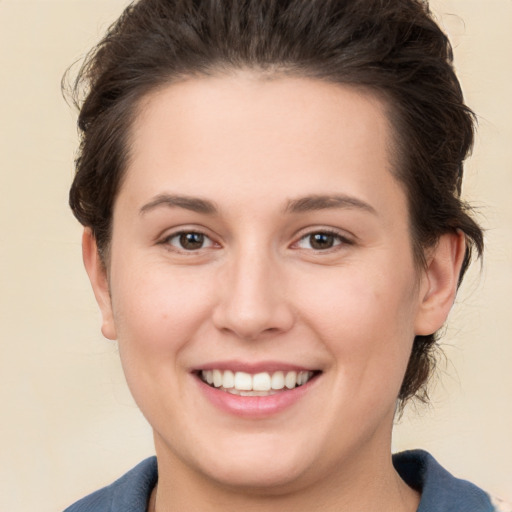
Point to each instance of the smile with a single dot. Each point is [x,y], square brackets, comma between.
[258,384]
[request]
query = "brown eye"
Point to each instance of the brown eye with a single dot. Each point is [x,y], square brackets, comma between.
[320,241]
[189,241]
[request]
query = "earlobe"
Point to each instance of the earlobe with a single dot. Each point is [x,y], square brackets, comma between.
[99,281]
[439,284]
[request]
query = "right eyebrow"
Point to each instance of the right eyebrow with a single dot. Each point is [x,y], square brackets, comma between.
[194,204]
[325,202]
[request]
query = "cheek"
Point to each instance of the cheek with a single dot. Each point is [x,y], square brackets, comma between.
[366,321]
[157,313]
[158,310]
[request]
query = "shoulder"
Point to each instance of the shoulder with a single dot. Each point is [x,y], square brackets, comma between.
[128,494]
[501,506]
[440,490]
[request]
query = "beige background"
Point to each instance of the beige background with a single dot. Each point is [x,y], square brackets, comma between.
[68,425]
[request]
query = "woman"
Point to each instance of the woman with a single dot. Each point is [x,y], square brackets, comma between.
[274,234]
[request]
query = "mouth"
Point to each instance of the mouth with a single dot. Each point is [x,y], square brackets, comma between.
[255,384]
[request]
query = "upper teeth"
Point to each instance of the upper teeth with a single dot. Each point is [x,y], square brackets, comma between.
[263,381]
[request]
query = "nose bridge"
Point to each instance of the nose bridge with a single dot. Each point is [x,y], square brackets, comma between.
[253,299]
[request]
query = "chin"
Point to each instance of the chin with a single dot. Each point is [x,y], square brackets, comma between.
[255,477]
[258,467]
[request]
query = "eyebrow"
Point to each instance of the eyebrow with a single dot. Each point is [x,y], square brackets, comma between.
[194,204]
[325,202]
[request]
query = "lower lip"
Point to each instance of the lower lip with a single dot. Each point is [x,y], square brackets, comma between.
[254,406]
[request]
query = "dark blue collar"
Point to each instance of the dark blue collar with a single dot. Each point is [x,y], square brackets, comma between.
[440,491]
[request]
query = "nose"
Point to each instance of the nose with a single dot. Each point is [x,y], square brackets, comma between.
[252,297]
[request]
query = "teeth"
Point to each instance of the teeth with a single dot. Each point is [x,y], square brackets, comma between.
[217,378]
[243,381]
[228,380]
[259,384]
[290,380]
[251,393]
[278,380]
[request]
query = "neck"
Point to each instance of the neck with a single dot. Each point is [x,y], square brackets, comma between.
[355,486]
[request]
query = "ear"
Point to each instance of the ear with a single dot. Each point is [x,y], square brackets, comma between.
[439,283]
[99,281]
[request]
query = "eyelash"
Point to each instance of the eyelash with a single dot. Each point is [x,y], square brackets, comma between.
[339,240]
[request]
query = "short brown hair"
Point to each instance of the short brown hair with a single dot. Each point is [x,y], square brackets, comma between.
[393,47]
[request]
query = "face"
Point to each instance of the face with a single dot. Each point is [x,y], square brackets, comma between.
[262,283]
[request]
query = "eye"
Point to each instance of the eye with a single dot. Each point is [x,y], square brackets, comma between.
[189,241]
[321,241]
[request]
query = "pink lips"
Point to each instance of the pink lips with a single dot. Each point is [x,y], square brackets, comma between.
[253,407]
[266,366]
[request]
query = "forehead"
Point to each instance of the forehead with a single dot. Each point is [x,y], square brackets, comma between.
[287,135]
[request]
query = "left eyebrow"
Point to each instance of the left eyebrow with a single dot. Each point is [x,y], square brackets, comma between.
[194,204]
[325,202]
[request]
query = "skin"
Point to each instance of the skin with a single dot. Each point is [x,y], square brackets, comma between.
[258,290]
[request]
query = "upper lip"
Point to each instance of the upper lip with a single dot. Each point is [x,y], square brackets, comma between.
[253,367]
